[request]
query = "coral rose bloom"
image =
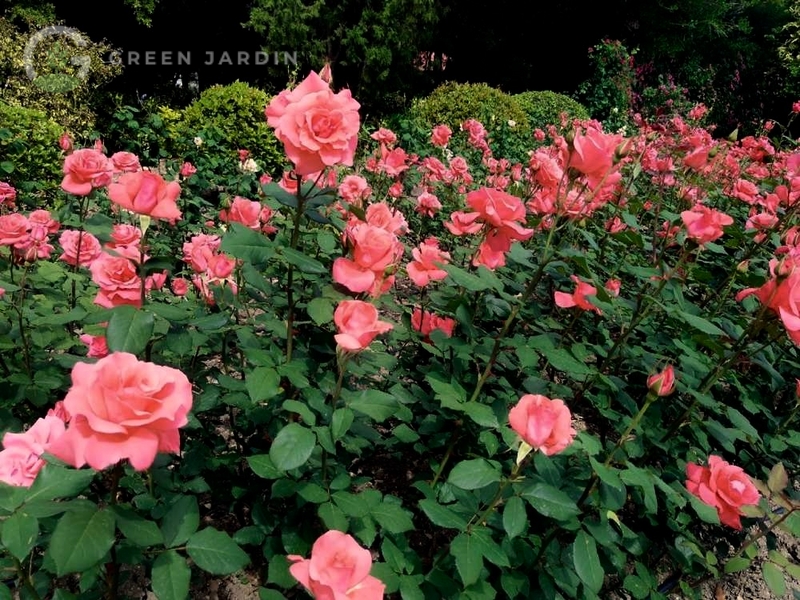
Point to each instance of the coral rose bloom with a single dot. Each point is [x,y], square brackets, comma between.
[723,486]
[704,224]
[358,324]
[337,570]
[147,193]
[20,460]
[544,424]
[84,170]
[123,408]
[317,127]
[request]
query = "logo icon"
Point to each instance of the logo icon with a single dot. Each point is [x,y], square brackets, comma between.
[57,57]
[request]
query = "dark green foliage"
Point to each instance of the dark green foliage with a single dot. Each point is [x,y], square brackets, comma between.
[236,112]
[544,108]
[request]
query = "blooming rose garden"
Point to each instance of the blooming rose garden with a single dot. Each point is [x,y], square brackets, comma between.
[443,374]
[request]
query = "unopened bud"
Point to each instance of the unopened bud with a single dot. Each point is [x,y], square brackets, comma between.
[734,135]
[743,266]
[570,137]
[713,152]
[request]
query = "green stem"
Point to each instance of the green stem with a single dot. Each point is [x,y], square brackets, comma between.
[545,260]
[446,457]
[298,214]
[26,581]
[651,397]
[497,497]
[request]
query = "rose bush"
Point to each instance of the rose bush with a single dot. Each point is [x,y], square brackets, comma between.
[315,367]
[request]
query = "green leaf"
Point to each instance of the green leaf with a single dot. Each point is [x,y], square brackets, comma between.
[469,559]
[551,502]
[473,474]
[81,539]
[778,479]
[7,166]
[442,516]
[20,531]
[181,521]
[249,245]
[392,517]
[341,421]
[352,505]
[261,464]
[699,323]
[637,587]
[215,552]
[587,562]
[320,310]
[58,482]
[292,447]
[170,576]
[467,280]
[515,518]
[137,529]
[773,576]
[332,516]
[263,383]
[739,563]
[489,548]
[305,263]
[376,404]
[129,329]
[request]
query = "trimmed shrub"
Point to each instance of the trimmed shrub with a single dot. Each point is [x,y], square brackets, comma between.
[30,157]
[453,103]
[544,108]
[236,113]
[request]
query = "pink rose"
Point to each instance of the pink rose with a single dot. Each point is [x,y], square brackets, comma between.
[426,264]
[84,170]
[723,486]
[384,136]
[663,383]
[244,211]
[125,162]
[146,193]
[578,297]
[382,215]
[542,423]
[426,322]
[123,408]
[357,323]
[354,189]
[118,280]
[188,169]
[97,345]
[374,251]
[441,135]
[704,224]
[180,286]
[428,204]
[337,570]
[71,240]
[7,194]
[317,127]
[13,229]
[65,142]
[20,460]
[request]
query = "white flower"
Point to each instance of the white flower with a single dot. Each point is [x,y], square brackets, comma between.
[249,166]
[512,123]
[198,141]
